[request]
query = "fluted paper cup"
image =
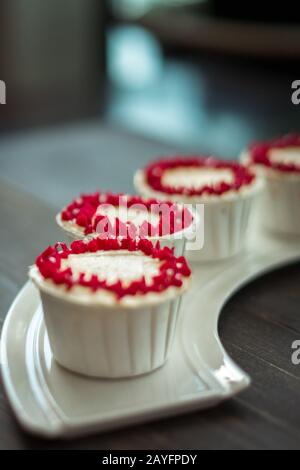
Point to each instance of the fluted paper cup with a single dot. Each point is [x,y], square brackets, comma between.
[222,221]
[225,228]
[110,342]
[116,322]
[278,209]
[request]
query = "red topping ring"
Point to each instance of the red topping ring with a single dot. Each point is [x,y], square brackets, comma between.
[82,212]
[171,269]
[241,175]
[259,153]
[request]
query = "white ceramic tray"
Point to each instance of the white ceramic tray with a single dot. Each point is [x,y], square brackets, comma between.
[52,402]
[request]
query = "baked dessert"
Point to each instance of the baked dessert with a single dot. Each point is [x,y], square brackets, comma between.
[225,188]
[277,163]
[119,215]
[110,306]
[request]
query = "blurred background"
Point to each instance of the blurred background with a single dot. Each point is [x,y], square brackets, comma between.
[96,89]
[198,75]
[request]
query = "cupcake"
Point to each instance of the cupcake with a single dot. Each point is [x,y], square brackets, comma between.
[277,162]
[120,215]
[110,306]
[225,189]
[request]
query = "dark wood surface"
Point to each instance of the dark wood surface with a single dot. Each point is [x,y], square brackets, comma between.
[258,325]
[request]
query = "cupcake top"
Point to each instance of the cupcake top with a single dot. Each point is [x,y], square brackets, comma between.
[123,215]
[111,272]
[280,156]
[197,178]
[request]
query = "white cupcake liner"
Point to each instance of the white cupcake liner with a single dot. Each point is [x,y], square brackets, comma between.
[279,204]
[226,219]
[110,342]
[279,209]
[225,229]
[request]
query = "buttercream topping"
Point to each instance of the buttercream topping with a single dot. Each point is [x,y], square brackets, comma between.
[109,265]
[132,215]
[126,216]
[285,156]
[281,154]
[197,176]
[113,266]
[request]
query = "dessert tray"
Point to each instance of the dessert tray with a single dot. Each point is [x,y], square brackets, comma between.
[52,402]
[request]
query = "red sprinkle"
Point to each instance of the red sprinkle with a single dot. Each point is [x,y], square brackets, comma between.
[82,212]
[259,153]
[172,270]
[154,172]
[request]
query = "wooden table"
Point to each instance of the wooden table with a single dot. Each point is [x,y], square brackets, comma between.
[39,173]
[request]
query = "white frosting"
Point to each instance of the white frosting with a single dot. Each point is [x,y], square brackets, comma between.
[265,172]
[196,177]
[146,190]
[137,215]
[110,265]
[113,266]
[288,155]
